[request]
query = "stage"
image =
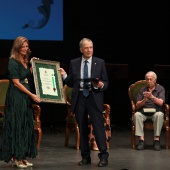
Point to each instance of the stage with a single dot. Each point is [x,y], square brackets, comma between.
[54,156]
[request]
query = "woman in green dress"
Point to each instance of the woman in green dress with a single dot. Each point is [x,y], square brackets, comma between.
[18,139]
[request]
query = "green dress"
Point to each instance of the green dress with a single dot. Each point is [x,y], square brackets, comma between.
[18,138]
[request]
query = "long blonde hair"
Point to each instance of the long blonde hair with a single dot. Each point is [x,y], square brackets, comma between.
[17,45]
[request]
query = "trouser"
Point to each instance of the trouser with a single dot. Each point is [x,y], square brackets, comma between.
[157,118]
[85,106]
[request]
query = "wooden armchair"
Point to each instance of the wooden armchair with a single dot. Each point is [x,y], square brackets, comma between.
[37,123]
[36,109]
[148,125]
[71,123]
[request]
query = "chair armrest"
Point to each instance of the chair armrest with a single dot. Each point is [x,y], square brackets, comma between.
[166,115]
[107,113]
[166,108]
[37,113]
[68,103]
[69,113]
[107,110]
[166,111]
[133,107]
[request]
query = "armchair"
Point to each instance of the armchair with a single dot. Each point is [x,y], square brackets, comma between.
[36,109]
[148,125]
[71,123]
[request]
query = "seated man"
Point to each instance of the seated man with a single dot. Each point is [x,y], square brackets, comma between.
[151,96]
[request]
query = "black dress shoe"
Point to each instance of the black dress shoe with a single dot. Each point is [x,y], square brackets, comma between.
[156,145]
[103,162]
[84,162]
[141,145]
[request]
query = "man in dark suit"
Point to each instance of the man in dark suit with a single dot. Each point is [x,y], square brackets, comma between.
[87,98]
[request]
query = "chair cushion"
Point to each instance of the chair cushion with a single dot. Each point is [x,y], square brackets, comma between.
[136,90]
[69,93]
[70,120]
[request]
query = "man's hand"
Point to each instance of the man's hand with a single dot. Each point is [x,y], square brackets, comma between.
[147,94]
[62,71]
[97,83]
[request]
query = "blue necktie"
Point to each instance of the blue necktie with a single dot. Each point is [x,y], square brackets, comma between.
[85,89]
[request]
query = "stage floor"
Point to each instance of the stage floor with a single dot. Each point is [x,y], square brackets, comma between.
[54,156]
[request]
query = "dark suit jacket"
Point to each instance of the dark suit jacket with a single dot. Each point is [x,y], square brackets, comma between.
[98,70]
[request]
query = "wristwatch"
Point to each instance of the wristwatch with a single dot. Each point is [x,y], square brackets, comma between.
[152,98]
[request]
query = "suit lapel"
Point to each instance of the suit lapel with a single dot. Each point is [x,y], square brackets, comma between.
[78,65]
[93,67]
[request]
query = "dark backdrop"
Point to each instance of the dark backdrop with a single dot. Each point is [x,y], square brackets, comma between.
[131,37]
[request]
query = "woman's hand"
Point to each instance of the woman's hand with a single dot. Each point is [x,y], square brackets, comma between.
[35,98]
[32,59]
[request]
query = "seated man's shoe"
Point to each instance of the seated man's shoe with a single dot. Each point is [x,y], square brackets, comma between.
[156,145]
[141,145]
[84,162]
[103,162]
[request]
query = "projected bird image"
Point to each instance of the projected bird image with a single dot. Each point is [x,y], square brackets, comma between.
[45,11]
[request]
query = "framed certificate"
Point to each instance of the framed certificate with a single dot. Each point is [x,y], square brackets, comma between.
[48,81]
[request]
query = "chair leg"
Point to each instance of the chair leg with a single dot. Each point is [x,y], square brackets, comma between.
[108,146]
[39,136]
[108,135]
[94,146]
[67,135]
[77,137]
[133,138]
[167,137]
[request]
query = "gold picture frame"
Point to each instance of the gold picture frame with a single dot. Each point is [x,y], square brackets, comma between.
[48,81]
